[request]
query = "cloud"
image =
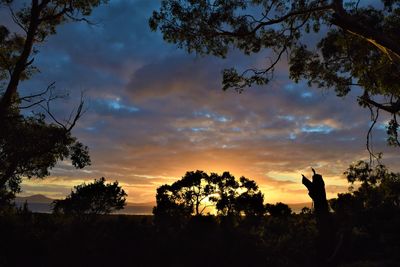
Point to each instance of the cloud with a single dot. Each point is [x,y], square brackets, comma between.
[155,112]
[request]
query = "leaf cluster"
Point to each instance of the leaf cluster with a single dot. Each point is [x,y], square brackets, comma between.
[377,189]
[30,147]
[36,20]
[11,46]
[197,191]
[93,198]
[215,27]
[331,44]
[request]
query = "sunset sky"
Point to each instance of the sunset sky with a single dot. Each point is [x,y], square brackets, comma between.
[155,112]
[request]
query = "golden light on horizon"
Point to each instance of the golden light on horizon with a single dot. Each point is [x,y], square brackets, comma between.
[277,186]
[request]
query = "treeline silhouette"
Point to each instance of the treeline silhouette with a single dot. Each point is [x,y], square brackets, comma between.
[218,220]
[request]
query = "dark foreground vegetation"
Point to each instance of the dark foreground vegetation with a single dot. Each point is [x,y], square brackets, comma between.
[358,48]
[363,232]
[370,239]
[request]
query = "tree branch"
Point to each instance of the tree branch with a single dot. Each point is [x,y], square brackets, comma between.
[392,108]
[377,38]
[20,66]
[31,98]
[275,21]
[73,117]
[374,118]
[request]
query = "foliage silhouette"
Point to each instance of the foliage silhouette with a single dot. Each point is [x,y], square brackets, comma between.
[197,191]
[169,212]
[357,44]
[278,210]
[29,145]
[377,189]
[92,198]
[367,216]
[37,20]
[235,198]
[366,235]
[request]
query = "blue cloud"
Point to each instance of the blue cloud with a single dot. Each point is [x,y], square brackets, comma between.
[320,128]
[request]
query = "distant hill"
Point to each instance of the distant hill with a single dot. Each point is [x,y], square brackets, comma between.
[42,204]
[34,199]
[36,203]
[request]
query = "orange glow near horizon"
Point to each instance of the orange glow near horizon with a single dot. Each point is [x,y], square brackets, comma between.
[156,112]
[276,186]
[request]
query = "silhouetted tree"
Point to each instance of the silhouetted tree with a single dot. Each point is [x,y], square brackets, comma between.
[37,21]
[305,210]
[170,210]
[316,190]
[326,233]
[184,197]
[279,209]
[346,208]
[29,145]
[250,200]
[227,192]
[235,198]
[193,189]
[357,45]
[93,198]
[372,188]
[367,215]
[196,191]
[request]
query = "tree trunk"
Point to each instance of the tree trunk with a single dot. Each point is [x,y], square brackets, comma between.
[325,239]
[380,40]
[11,92]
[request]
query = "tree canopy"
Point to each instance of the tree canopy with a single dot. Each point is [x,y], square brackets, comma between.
[197,191]
[374,196]
[278,210]
[93,198]
[37,20]
[374,186]
[357,45]
[29,147]
[237,198]
[31,144]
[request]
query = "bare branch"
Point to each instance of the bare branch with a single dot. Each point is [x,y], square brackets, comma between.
[374,118]
[32,99]
[33,104]
[45,104]
[49,88]
[15,19]
[81,19]
[79,113]
[278,20]
[29,62]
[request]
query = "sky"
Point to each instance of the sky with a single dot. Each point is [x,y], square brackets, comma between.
[155,112]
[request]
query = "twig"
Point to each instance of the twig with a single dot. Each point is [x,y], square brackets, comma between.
[374,118]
